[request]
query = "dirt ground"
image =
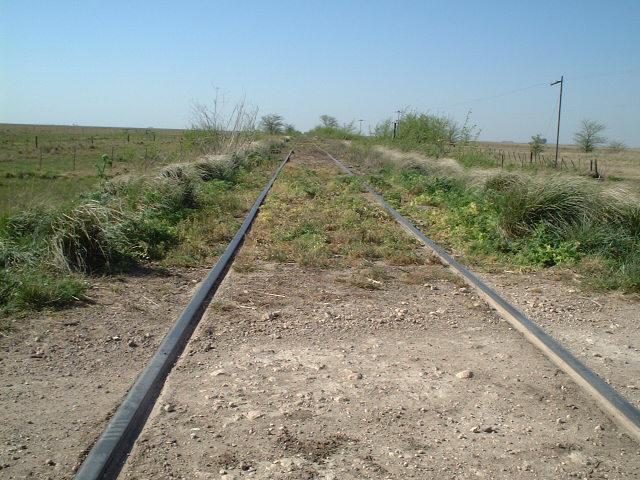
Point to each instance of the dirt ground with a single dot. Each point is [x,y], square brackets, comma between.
[299,373]
[600,328]
[62,374]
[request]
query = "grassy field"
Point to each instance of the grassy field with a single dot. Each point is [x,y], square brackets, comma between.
[49,165]
[130,199]
[622,165]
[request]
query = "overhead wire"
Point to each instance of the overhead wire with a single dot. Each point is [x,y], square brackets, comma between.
[529,87]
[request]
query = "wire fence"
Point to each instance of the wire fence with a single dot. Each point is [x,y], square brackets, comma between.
[505,158]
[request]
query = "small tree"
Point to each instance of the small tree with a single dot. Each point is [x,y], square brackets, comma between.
[289,129]
[272,123]
[616,146]
[536,145]
[384,129]
[589,137]
[328,121]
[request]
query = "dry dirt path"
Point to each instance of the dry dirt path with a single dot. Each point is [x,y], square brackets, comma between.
[62,374]
[599,328]
[296,373]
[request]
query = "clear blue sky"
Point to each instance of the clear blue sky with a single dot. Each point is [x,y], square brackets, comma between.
[143,63]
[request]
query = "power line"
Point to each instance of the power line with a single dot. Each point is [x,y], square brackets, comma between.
[491,97]
[517,90]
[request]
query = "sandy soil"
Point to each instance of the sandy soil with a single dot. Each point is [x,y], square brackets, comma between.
[298,374]
[600,328]
[62,374]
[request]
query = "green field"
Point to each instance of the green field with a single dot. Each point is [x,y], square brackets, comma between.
[50,165]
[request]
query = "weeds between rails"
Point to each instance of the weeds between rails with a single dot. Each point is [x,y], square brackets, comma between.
[181,216]
[530,221]
[320,219]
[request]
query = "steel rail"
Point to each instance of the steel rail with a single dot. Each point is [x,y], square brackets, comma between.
[106,458]
[618,407]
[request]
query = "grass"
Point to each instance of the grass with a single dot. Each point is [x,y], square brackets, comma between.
[182,214]
[515,219]
[64,162]
[320,219]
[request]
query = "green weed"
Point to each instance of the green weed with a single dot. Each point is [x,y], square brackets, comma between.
[516,219]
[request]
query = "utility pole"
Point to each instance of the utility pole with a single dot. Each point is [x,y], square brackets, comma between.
[361,120]
[561,82]
[395,124]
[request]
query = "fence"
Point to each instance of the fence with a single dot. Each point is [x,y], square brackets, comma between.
[523,159]
[64,153]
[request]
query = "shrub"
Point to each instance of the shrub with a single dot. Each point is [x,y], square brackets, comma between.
[434,135]
[616,146]
[525,202]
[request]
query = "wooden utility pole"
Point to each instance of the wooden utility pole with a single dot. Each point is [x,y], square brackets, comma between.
[561,82]
[395,124]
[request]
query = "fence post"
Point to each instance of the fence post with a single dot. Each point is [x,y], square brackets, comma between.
[595,164]
[502,162]
[36,141]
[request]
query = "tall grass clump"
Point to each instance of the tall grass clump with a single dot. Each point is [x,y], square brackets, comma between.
[46,254]
[525,202]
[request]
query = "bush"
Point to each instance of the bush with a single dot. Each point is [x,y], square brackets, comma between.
[432,134]
[525,202]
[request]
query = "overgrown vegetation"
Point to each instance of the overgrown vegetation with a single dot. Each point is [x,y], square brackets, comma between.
[433,135]
[330,128]
[219,128]
[506,218]
[180,215]
[319,218]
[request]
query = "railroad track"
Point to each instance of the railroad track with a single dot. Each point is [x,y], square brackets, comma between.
[109,453]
